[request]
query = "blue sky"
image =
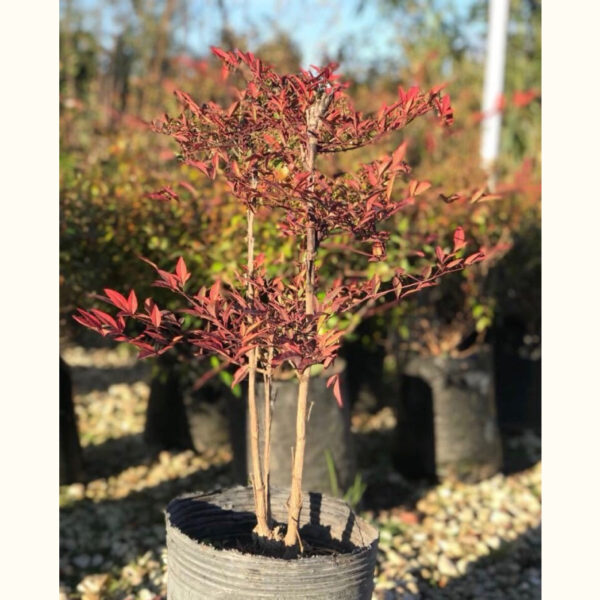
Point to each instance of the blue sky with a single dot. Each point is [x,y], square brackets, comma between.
[318,27]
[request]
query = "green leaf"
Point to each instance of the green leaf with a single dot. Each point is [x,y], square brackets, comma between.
[483,323]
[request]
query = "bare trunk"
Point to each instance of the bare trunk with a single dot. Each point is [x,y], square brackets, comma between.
[313,120]
[260,496]
[268,376]
[262,524]
[292,536]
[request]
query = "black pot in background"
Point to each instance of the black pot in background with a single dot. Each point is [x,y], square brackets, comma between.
[365,375]
[414,452]
[71,460]
[206,412]
[199,571]
[177,417]
[328,435]
[166,424]
[456,396]
[516,334]
[518,378]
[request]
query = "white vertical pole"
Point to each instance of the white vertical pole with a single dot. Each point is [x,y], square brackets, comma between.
[494,81]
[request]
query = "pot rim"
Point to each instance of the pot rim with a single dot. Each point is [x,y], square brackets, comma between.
[370,532]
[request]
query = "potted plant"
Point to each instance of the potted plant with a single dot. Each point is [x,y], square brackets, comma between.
[265,144]
[450,375]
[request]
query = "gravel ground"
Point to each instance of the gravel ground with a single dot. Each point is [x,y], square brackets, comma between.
[450,541]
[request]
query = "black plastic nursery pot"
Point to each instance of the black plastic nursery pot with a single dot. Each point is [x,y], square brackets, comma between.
[447,424]
[518,376]
[71,458]
[329,461]
[204,533]
[177,417]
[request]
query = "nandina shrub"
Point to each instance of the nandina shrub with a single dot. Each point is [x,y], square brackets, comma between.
[266,146]
[463,309]
[461,312]
[118,200]
[109,215]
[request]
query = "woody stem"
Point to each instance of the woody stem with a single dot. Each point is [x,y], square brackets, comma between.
[313,120]
[260,503]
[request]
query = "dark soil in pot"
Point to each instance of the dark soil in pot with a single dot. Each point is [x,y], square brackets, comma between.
[204,532]
[456,395]
[329,450]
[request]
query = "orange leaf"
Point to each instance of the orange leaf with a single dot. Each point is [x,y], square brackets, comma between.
[459,239]
[182,271]
[422,186]
[335,381]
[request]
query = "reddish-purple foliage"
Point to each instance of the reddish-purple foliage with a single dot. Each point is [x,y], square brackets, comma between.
[262,144]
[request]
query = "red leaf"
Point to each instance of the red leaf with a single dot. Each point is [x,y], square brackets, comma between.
[104,318]
[421,187]
[239,375]
[398,155]
[490,197]
[523,98]
[438,88]
[214,291]
[215,165]
[232,108]
[165,193]
[220,53]
[459,239]
[117,299]
[451,199]
[168,278]
[201,166]
[182,271]
[335,381]
[189,187]
[477,194]
[155,316]
[412,186]
[454,263]
[473,258]
[271,141]
[440,254]
[132,302]
[86,319]
[146,352]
